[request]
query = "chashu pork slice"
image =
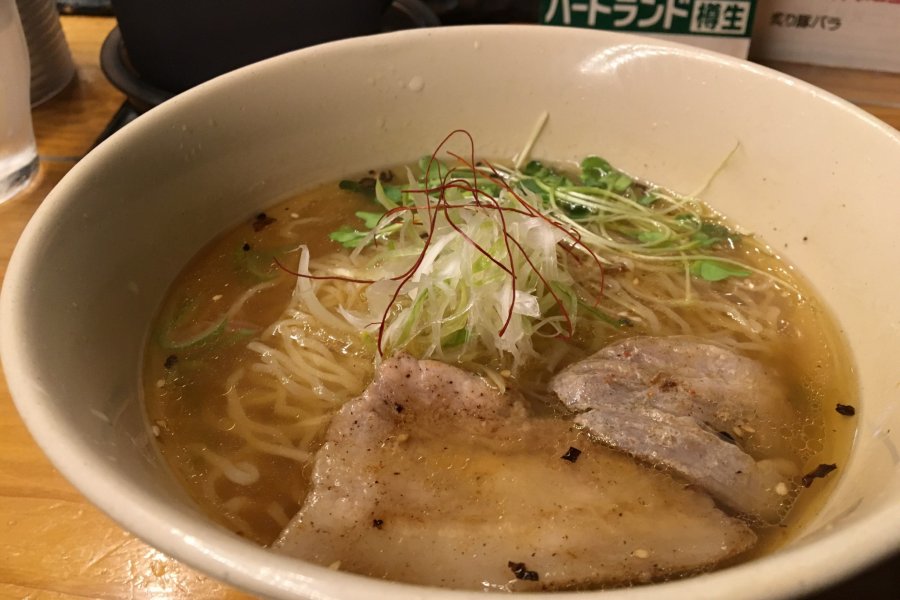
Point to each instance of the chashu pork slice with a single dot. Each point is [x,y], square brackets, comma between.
[431,477]
[719,419]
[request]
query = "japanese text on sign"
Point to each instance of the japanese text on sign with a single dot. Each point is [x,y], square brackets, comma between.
[802,21]
[704,17]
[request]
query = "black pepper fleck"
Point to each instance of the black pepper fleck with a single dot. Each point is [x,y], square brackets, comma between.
[571,454]
[171,361]
[398,408]
[521,572]
[262,221]
[845,409]
[377,523]
[245,247]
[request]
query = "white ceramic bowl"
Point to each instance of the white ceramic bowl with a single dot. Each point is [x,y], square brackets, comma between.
[95,261]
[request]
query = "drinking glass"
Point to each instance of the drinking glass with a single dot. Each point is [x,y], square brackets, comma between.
[18,152]
[51,62]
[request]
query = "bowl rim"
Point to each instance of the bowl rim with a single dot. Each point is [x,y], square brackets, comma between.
[243,564]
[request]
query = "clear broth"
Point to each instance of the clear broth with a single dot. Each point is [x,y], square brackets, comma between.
[185,403]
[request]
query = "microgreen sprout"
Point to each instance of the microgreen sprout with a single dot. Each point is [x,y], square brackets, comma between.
[469,256]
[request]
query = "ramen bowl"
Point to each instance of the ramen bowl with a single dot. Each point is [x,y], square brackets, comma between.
[805,170]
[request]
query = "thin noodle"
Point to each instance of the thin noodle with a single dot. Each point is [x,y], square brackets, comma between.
[273,411]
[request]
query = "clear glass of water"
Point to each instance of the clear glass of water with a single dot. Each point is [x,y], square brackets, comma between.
[18,152]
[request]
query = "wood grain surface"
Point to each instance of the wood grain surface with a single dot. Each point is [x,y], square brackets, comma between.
[53,543]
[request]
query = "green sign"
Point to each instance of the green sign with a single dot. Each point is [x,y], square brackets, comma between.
[729,18]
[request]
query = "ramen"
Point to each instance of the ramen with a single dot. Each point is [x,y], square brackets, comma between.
[585,302]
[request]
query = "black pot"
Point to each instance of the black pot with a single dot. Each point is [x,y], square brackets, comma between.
[176,44]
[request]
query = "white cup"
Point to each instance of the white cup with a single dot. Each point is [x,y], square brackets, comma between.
[18,151]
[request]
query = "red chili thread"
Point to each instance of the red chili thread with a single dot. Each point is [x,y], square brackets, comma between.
[550,289]
[320,277]
[573,234]
[506,237]
[434,206]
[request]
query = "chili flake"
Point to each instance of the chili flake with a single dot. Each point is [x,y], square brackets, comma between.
[845,409]
[521,572]
[571,454]
[820,471]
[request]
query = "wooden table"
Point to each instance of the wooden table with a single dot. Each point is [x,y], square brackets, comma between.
[53,543]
